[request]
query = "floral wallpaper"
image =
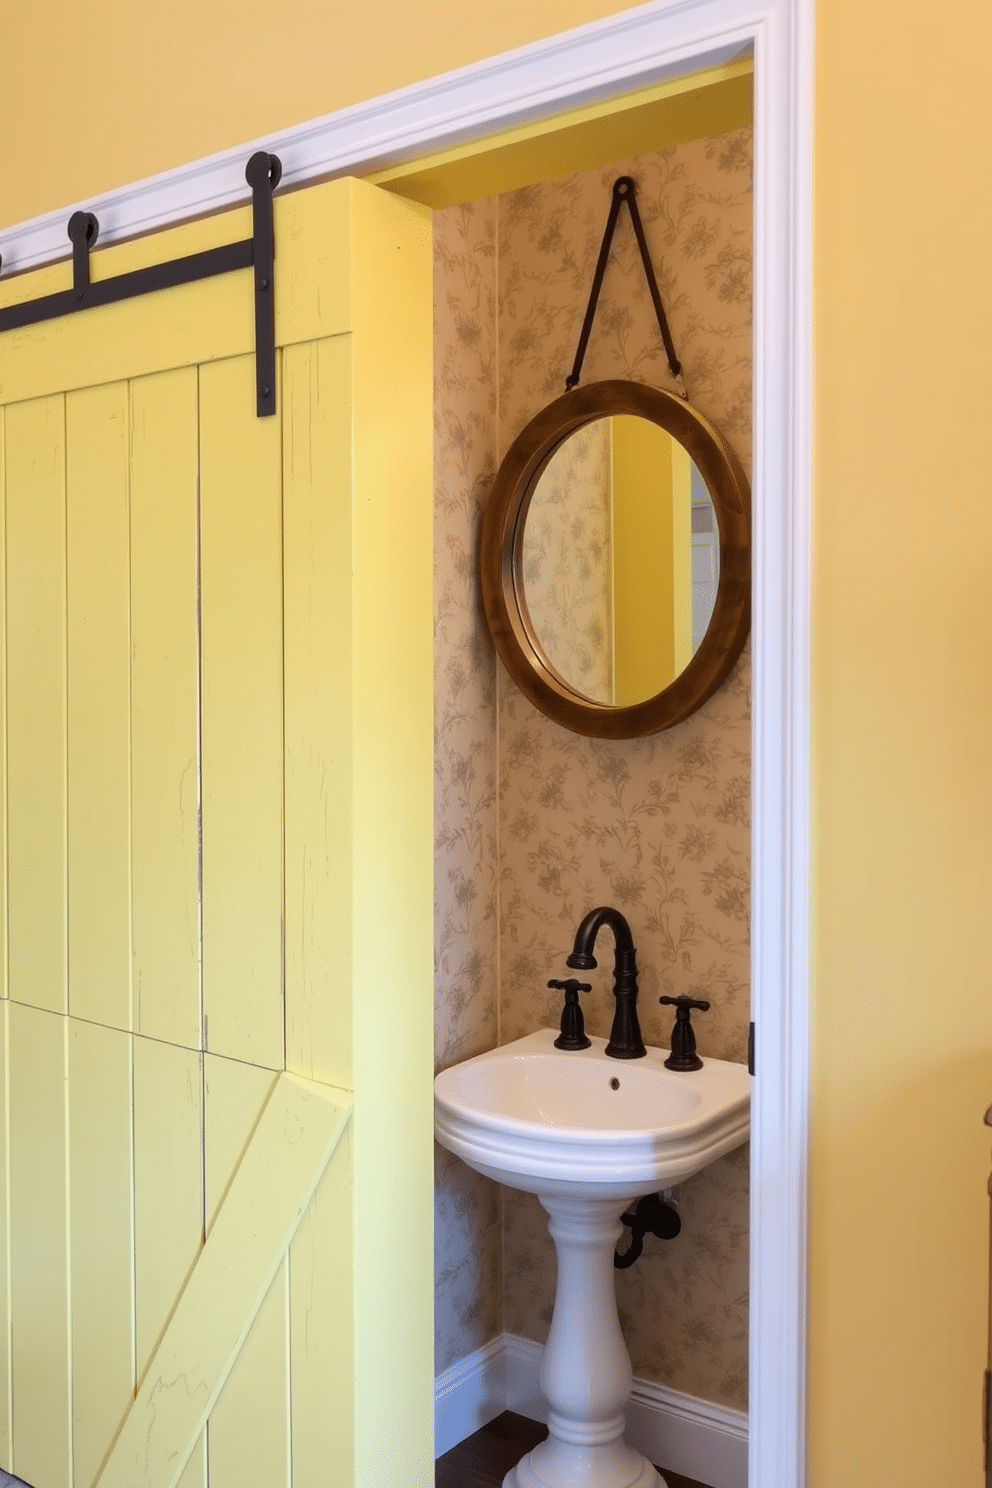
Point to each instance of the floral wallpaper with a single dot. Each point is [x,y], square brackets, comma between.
[568,562]
[468,1294]
[658,827]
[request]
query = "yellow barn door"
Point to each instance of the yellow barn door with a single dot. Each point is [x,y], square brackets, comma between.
[215,817]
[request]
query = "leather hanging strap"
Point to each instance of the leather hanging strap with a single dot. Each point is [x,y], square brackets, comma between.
[625,190]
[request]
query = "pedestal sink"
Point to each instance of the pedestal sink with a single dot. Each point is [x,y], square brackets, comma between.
[587,1134]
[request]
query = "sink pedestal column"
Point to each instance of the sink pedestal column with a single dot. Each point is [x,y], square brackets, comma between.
[585,1372]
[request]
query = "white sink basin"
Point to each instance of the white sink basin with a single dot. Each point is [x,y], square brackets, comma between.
[587,1134]
[577,1123]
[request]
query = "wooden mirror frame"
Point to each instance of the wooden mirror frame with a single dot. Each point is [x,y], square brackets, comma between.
[501,546]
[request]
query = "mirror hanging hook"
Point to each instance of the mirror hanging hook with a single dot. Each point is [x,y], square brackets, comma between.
[625,190]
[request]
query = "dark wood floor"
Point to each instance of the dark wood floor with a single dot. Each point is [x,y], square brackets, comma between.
[483,1460]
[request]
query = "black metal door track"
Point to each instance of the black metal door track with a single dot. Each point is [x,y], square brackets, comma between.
[263,173]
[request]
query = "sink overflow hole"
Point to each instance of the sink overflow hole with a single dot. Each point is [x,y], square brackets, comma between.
[614,1083]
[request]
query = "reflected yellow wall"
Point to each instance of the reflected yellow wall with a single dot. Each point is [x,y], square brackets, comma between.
[681,556]
[902,1043]
[652,558]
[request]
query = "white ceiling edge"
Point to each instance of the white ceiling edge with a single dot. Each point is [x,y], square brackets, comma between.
[580,67]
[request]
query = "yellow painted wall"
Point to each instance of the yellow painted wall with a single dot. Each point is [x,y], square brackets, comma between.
[192,78]
[902,1020]
[902,879]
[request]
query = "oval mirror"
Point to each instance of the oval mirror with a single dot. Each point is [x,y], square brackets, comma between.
[615,560]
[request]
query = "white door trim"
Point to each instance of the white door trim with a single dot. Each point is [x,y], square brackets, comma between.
[617,55]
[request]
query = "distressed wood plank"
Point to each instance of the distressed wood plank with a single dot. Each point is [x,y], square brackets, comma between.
[241,607]
[165,688]
[322,1331]
[235,1095]
[249,1425]
[168,1183]
[39,1259]
[195,1472]
[36,686]
[101,1239]
[248,1433]
[274,1183]
[98,703]
[317,411]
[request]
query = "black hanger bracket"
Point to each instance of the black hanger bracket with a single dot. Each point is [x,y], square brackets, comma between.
[263,174]
[625,190]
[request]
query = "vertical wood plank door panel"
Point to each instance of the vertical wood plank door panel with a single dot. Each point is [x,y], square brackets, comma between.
[194,1474]
[234,1097]
[39,1254]
[34,573]
[322,1360]
[216,856]
[165,706]
[168,1183]
[249,1425]
[98,704]
[320,813]
[248,1437]
[101,1238]
[241,603]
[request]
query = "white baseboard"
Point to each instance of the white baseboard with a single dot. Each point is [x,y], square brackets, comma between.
[469,1395]
[691,1436]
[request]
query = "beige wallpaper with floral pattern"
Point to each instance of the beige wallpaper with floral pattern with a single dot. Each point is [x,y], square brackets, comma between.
[657,827]
[567,563]
[468,1287]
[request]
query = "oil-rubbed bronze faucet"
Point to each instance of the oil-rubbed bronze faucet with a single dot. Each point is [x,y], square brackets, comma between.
[625,1035]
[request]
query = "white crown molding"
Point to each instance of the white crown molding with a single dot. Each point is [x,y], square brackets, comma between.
[693,1437]
[617,55]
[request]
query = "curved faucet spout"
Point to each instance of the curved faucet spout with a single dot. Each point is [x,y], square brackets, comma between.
[585,936]
[625,1035]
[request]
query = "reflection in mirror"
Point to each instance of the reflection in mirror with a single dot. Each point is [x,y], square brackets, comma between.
[619,561]
[560,569]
